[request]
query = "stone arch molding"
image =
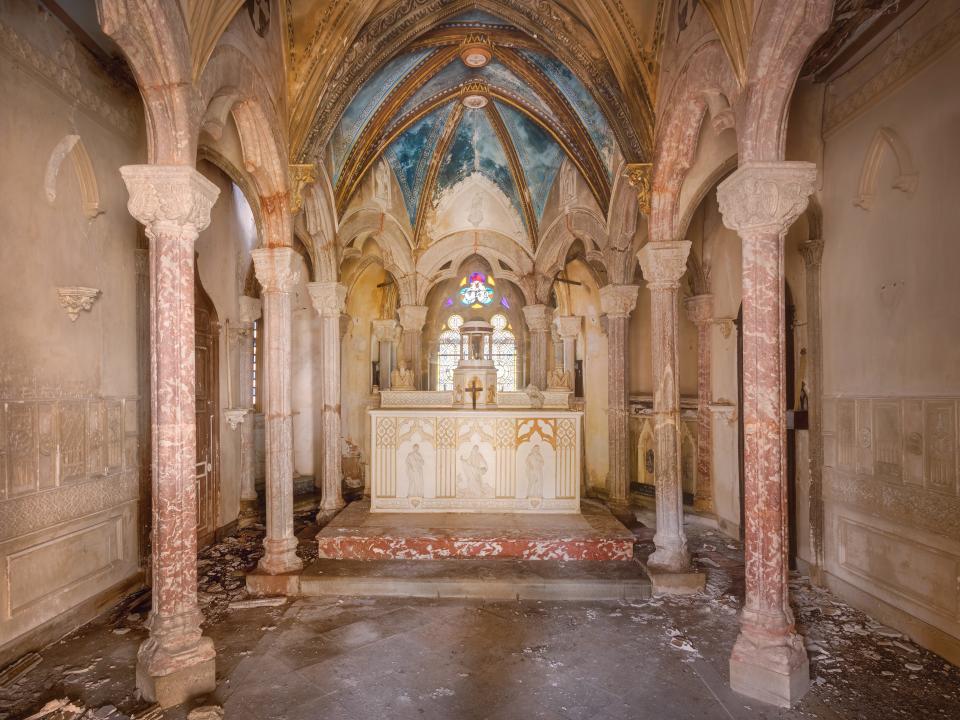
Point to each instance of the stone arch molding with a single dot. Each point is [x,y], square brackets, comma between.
[906,181]
[72,146]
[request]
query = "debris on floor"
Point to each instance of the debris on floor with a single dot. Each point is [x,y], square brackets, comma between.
[16,670]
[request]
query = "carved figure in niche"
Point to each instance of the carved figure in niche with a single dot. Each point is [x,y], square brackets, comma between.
[568,184]
[535,473]
[471,482]
[457,394]
[648,461]
[558,379]
[402,377]
[415,472]
[491,394]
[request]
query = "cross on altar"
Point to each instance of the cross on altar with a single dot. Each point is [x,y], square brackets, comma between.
[474,388]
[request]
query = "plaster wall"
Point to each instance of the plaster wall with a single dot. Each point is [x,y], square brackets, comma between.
[891,350]
[68,389]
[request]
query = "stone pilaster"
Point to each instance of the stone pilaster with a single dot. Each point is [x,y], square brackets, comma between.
[387,334]
[274,268]
[812,252]
[760,201]
[250,311]
[568,328]
[700,311]
[176,662]
[617,302]
[412,320]
[664,263]
[538,319]
[329,299]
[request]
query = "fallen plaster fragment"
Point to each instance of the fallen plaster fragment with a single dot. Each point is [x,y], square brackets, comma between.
[63,706]
[18,669]
[904,646]
[258,602]
[154,712]
[206,712]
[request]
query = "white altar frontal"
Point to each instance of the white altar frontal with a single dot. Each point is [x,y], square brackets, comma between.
[510,460]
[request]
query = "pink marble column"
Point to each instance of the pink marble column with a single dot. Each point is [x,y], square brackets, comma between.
[173,202]
[664,263]
[760,201]
[274,268]
[538,319]
[329,300]
[568,328]
[700,311]
[412,320]
[250,311]
[617,302]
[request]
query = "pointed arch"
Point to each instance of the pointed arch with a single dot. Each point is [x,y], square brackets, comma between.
[72,146]
[906,181]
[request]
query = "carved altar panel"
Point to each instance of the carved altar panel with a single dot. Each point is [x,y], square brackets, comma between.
[525,461]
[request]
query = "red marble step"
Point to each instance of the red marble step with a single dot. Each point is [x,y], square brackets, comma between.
[356,534]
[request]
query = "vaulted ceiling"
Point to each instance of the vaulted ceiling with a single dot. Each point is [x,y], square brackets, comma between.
[474,95]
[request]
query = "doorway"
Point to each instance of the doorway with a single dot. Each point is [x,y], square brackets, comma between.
[207,353]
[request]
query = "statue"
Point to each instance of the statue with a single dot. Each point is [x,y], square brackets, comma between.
[535,473]
[457,394]
[491,394]
[415,472]
[471,482]
[558,379]
[402,378]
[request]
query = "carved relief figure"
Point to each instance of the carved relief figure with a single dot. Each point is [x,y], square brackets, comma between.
[558,379]
[402,377]
[471,482]
[535,473]
[415,472]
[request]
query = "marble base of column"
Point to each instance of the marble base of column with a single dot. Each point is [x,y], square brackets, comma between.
[770,666]
[176,663]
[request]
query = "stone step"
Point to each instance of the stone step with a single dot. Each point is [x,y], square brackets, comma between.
[478,579]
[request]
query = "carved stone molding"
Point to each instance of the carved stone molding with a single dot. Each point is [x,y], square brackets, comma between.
[329,298]
[639,175]
[74,299]
[700,309]
[766,197]
[568,326]
[538,317]
[618,300]
[812,252]
[274,268]
[664,263]
[172,197]
[250,309]
[412,317]
[301,175]
[386,331]
[235,416]
[885,139]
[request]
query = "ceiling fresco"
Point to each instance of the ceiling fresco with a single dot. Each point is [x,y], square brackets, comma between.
[473,96]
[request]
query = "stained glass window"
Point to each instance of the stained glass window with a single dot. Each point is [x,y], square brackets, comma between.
[476,290]
[504,353]
[448,352]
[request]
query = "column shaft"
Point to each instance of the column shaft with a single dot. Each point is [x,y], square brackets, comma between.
[538,319]
[700,310]
[249,313]
[274,270]
[412,319]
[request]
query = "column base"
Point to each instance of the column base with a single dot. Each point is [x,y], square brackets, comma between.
[778,675]
[668,582]
[249,513]
[264,584]
[280,557]
[670,556]
[332,505]
[194,673]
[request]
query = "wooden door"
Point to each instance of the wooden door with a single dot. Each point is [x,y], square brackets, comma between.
[208,432]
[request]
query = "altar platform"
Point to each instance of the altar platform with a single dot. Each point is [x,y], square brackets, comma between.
[358,534]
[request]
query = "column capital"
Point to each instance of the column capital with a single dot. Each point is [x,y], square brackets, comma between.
[699,308]
[538,317]
[386,330]
[274,268]
[176,196]
[329,298]
[568,326]
[664,263]
[812,251]
[250,309]
[618,300]
[412,317]
[766,197]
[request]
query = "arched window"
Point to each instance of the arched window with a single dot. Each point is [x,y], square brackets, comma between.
[504,353]
[448,352]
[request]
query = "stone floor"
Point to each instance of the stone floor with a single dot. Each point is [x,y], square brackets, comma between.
[357,658]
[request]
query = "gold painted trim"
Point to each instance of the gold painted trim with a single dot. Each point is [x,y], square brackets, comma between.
[516,170]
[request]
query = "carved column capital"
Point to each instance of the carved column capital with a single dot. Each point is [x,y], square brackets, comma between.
[618,300]
[74,299]
[301,175]
[664,263]
[412,317]
[175,196]
[329,298]
[538,317]
[386,330]
[640,175]
[274,268]
[812,251]
[700,309]
[568,326]
[766,197]
[250,309]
